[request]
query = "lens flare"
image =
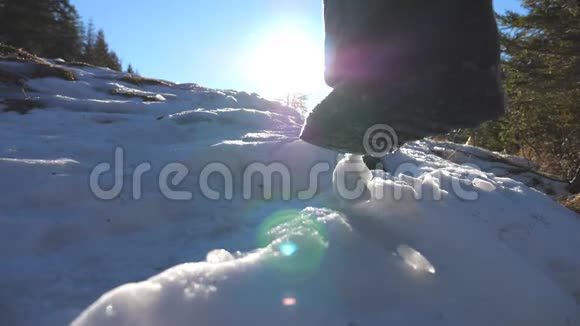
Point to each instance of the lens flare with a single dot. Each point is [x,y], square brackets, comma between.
[299,238]
[288,249]
[289,302]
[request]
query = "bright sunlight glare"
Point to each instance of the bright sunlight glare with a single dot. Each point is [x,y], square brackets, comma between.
[286,60]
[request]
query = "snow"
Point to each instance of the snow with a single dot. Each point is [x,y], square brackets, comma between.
[415,259]
[517,168]
[446,235]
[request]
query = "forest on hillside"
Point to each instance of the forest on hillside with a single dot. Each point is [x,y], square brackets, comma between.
[54,29]
[541,64]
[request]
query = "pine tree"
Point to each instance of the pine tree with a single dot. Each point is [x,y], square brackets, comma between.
[46,27]
[542,67]
[130,69]
[114,62]
[102,56]
[27,24]
[53,29]
[3,26]
[100,51]
[66,41]
[89,42]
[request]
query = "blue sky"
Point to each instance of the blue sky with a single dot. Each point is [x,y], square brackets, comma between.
[215,43]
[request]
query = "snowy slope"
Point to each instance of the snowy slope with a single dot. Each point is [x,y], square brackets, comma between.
[445,244]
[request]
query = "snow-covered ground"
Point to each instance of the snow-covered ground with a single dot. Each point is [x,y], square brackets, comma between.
[430,242]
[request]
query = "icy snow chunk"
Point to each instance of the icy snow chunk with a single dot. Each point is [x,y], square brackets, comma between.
[56,162]
[403,192]
[386,192]
[262,136]
[198,289]
[432,187]
[219,256]
[350,179]
[483,185]
[110,311]
[415,259]
[118,89]
[238,143]
[62,161]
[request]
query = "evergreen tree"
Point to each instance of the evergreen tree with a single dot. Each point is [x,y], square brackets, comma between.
[26,24]
[66,36]
[130,69]
[53,29]
[89,42]
[542,67]
[45,27]
[3,22]
[102,56]
[114,62]
[100,50]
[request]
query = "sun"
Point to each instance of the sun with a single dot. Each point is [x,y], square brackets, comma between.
[286,60]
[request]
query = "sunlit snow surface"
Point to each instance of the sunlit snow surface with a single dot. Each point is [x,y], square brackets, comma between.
[493,253]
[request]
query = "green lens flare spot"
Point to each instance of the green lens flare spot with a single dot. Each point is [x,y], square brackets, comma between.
[298,239]
[288,249]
